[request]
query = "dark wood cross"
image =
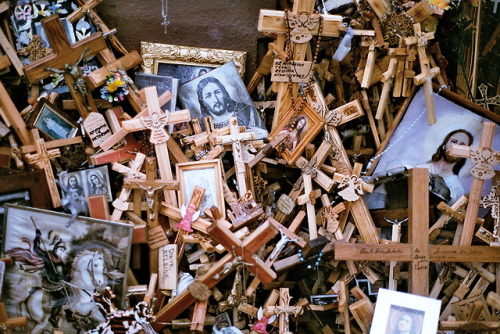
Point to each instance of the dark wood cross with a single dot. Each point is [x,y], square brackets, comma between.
[418,251]
[276,22]
[65,58]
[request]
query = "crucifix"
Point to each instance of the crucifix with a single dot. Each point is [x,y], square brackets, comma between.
[396,236]
[156,120]
[294,26]
[492,200]
[65,58]
[284,310]
[237,139]
[418,252]
[427,73]
[41,159]
[243,251]
[484,158]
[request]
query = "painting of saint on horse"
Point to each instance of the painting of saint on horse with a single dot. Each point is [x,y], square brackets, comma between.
[57,271]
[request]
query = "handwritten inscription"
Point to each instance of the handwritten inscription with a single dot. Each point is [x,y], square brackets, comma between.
[157,237]
[451,254]
[380,251]
[168,267]
[296,71]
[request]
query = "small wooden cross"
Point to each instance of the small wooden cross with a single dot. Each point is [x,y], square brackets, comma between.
[65,55]
[243,250]
[485,101]
[236,138]
[427,73]
[7,323]
[121,202]
[284,310]
[387,79]
[156,121]
[484,158]
[41,159]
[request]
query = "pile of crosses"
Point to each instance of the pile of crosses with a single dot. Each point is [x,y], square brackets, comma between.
[297,225]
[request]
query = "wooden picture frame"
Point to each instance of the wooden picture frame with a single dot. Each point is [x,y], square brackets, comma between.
[206,174]
[52,122]
[411,141]
[78,260]
[186,62]
[295,144]
[394,308]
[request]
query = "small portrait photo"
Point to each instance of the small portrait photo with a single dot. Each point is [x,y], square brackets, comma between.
[205,174]
[296,129]
[221,94]
[403,320]
[98,182]
[51,122]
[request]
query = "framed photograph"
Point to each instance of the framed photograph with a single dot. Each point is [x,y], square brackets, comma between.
[84,183]
[51,122]
[302,127]
[206,174]
[400,312]
[58,269]
[185,62]
[221,94]
[412,142]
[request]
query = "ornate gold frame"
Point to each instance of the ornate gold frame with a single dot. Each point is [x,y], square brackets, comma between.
[154,54]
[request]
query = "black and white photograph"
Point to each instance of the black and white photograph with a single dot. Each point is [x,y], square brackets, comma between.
[98,181]
[184,73]
[81,184]
[221,94]
[162,83]
[206,174]
[455,125]
[52,123]
[58,269]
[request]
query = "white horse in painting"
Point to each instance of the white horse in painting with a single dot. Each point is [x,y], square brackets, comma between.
[87,277]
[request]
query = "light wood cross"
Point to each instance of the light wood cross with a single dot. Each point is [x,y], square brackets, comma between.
[41,159]
[276,22]
[106,57]
[65,57]
[418,251]
[238,251]
[237,139]
[387,79]
[483,157]
[427,73]
[121,202]
[6,323]
[156,120]
[284,310]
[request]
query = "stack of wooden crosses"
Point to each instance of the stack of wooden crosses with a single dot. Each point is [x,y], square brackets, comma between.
[191,202]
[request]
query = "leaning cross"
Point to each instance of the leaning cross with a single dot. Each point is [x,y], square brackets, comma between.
[156,120]
[65,54]
[483,157]
[418,252]
[276,22]
[284,310]
[9,111]
[245,249]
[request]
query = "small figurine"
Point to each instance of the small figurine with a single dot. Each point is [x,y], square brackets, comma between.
[261,325]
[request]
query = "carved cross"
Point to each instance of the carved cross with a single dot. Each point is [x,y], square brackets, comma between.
[418,252]
[65,55]
[427,73]
[492,200]
[155,121]
[275,21]
[485,101]
[245,249]
[284,310]
[484,158]
[41,159]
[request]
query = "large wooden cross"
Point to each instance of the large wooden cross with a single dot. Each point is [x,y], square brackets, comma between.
[418,251]
[65,57]
[238,251]
[276,22]
[483,157]
[156,121]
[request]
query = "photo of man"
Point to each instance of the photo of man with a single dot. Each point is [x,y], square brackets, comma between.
[221,94]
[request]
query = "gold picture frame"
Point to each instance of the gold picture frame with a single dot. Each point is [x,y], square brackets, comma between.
[156,55]
[294,145]
[206,174]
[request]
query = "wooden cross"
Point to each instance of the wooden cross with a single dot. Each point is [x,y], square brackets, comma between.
[41,159]
[309,199]
[387,79]
[10,56]
[275,21]
[156,120]
[236,138]
[427,73]
[237,251]
[492,200]
[6,324]
[12,116]
[485,101]
[121,202]
[284,310]
[484,157]
[65,57]
[419,252]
